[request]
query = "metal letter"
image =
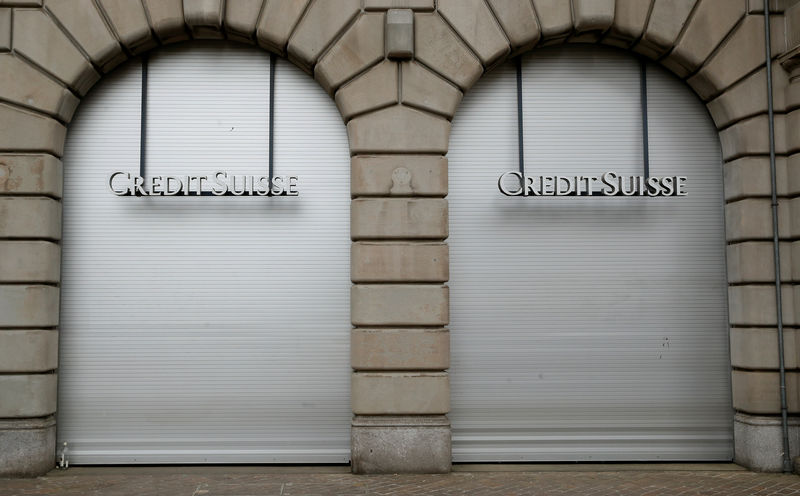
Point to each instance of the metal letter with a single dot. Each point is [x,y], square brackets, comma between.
[668,184]
[632,182]
[167,191]
[613,189]
[138,182]
[263,189]
[292,191]
[218,179]
[558,185]
[681,185]
[111,186]
[653,186]
[155,185]
[505,191]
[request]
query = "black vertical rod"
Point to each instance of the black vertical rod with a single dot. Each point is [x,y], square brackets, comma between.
[143,121]
[271,112]
[645,134]
[787,459]
[520,146]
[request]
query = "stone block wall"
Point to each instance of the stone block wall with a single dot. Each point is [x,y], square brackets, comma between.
[397,78]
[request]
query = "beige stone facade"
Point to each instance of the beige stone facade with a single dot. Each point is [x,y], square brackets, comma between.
[397,97]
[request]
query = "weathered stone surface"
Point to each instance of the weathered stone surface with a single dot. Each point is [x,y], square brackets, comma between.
[30,261]
[400,349]
[751,137]
[166,19]
[27,395]
[793,23]
[29,447]
[759,441]
[30,174]
[476,25]
[30,217]
[794,216]
[751,219]
[39,39]
[757,348]
[753,262]
[5,29]
[26,86]
[739,55]
[667,19]
[399,305]
[794,262]
[398,262]
[398,129]
[592,15]
[779,35]
[278,20]
[438,47]
[204,17]
[749,97]
[754,305]
[793,175]
[21,3]
[398,218]
[518,20]
[400,393]
[749,177]
[84,23]
[426,90]
[775,6]
[21,130]
[709,25]
[400,34]
[129,20]
[28,306]
[359,47]
[241,17]
[29,350]
[630,18]
[748,219]
[383,175]
[375,89]
[398,4]
[792,129]
[321,24]
[397,445]
[555,18]
[759,392]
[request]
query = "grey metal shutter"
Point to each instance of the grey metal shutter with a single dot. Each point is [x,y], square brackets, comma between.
[587,328]
[206,329]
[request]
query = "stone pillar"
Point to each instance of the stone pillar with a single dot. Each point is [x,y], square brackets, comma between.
[398,115]
[400,346]
[741,110]
[57,54]
[30,188]
[790,63]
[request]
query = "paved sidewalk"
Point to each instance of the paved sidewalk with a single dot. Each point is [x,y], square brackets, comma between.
[669,480]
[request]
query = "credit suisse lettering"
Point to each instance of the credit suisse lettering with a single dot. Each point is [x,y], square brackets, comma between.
[611,184]
[220,183]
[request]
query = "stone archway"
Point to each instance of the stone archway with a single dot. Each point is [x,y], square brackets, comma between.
[398,110]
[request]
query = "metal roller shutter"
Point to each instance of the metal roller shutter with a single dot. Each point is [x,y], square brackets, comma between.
[206,329]
[587,328]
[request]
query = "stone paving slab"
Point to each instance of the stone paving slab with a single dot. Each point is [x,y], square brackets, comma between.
[579,482]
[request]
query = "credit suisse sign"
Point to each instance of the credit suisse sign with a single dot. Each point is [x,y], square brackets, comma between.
[514,183]
[219,184]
